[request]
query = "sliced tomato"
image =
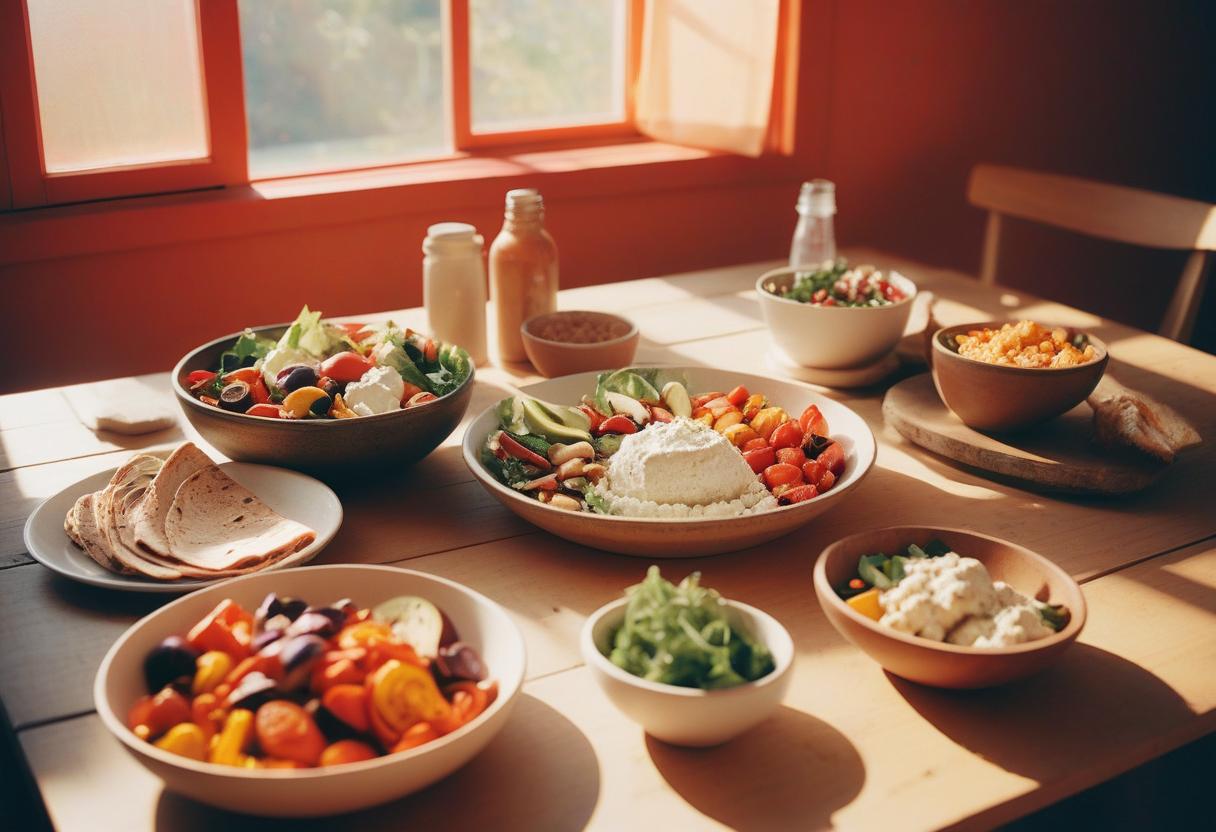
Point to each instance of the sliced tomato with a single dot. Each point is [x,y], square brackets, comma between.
[199,377]
[269,411]
[354,333]
[659,414]
[617,424]
[832,458]
[346,367]
[523,453]
[787,435]
[738,396]
[594,415]
[257,389]
[797,494]
[246,374]
[812,422]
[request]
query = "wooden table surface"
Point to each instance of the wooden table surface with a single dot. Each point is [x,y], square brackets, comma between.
[852,747]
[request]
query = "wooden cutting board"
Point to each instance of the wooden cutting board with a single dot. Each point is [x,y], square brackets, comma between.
[1060,455]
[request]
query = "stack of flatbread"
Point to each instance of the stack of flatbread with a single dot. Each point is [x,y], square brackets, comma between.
[181,517]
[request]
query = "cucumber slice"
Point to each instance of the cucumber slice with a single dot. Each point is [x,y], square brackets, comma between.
[415,621]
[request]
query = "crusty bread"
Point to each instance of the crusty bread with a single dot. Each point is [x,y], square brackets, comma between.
[1123,416]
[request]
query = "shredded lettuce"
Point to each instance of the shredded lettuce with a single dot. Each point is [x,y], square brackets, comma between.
[680,635]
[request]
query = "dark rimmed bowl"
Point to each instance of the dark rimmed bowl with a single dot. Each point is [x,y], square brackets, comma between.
[324,447]
[936,663]
[994,397]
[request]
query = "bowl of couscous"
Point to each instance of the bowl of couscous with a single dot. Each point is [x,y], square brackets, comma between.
[1005,376]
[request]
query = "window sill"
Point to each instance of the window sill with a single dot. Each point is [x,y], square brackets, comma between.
[470,181]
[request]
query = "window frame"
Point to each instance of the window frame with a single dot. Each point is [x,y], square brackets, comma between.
[29,183]
[460,81]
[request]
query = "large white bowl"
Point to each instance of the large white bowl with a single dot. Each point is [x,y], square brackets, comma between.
[690,716]
[321,791]
[833,337]
[685,537]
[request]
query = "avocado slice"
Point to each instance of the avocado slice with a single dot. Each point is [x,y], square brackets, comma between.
[539,420]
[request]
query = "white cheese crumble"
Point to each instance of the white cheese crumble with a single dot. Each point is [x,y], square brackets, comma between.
[280,357]
[378,391]
[954,599]
[681,469]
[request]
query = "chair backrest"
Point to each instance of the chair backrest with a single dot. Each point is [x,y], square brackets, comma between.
[1110,212]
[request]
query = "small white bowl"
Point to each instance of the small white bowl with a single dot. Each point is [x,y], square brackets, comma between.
[833,337]
[690,716]
[479,622]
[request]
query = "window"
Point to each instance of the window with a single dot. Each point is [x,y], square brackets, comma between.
[127,97]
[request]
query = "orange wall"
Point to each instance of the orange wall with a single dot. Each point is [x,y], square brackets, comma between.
[898,99]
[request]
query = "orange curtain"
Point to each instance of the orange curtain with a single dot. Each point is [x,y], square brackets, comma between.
[706,78]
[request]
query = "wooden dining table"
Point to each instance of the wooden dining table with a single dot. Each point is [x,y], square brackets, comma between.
[852,746]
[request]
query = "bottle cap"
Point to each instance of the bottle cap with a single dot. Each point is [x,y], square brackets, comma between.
[817,198]
[451,237]
[525,204]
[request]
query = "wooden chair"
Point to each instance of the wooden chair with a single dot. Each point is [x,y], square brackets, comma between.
[1110,212]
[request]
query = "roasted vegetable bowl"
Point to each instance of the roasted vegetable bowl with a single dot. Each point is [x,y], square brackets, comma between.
[275,746]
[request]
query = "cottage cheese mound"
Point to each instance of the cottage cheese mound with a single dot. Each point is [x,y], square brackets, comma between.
[681,469]
[954,599]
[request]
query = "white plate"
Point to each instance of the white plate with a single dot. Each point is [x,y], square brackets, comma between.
[652,537]
[294,495]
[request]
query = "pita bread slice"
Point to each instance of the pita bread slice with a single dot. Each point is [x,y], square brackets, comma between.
[114,508]
[215,523]
[89,536]
[148,519]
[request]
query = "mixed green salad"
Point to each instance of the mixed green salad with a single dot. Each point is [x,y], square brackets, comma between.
[836,284]
[323,370]
[680,635]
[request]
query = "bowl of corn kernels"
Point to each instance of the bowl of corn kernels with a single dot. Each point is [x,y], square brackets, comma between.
[1005,376]
[563,343]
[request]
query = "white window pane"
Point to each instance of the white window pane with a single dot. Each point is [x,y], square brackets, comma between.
[119,82]
[342,83]
[539,63]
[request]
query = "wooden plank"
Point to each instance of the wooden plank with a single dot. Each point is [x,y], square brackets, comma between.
[980,758]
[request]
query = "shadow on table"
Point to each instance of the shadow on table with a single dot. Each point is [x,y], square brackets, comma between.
[1088,705]
[792,770]
[539,773]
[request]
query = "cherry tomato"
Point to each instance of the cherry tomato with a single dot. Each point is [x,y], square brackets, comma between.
[812,470]
[617,424]
[791,456]
[787,435]
[753,444]
[760,458]
[346,366]
[826,480]
[797,494]
[269,411]
[782,474]
[738,396]
[812,422]
[832,458]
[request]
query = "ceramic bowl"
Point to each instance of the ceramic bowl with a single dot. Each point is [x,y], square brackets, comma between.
[561,358]
[319,791]
[935,663]
[323,447]
[832,337]
[683,537]
[993,397]
[690,716]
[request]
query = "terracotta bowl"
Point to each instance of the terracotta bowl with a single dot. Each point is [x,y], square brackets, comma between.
[328,447]
[832,337]
[684,537]
[948,665]
[690,716]
[561,358]
[316,791]
[993,397]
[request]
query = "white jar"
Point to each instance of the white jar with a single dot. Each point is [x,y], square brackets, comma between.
[454,286]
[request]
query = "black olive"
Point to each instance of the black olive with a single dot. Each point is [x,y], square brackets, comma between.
[172,662]
[236,397]
[321,406]
[295,376]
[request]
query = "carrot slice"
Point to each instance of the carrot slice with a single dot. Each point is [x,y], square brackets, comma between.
[349,704]
[286,731]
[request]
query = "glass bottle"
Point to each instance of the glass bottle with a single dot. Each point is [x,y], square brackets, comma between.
[523,270]
[454,286]
[815,237]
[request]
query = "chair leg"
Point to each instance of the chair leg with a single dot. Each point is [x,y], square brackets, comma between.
[1179,321]
[992,244]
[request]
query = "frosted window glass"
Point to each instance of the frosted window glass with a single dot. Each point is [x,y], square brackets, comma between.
[538,63]
[342,83]
[119,82]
